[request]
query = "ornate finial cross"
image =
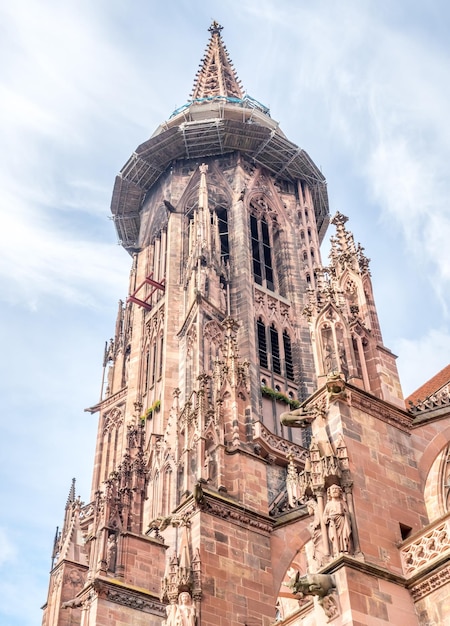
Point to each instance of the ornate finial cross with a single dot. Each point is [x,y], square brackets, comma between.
[215,28]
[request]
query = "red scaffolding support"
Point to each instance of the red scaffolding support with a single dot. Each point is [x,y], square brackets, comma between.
[144,303]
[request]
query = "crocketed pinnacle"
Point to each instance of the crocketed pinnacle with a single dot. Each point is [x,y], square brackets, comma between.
[71,496]
[217,76]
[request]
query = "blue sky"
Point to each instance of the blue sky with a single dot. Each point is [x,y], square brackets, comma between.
[363,86]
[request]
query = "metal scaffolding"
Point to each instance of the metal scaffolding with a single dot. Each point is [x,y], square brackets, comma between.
[210,128]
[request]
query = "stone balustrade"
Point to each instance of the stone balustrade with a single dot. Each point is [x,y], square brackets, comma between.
[422,550]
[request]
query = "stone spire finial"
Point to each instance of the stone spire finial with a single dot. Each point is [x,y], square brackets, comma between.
[217,76]
[203,188]
[72,495]
[344,252]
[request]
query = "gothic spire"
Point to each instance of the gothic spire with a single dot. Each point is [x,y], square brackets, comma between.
[71,496]
[217,76]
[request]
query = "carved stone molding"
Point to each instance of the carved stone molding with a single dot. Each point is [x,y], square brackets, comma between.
[437,580]
[146,603]
[377,409]
[227,510]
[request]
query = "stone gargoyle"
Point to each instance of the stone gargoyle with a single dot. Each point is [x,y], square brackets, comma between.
[299,418]
[311,585]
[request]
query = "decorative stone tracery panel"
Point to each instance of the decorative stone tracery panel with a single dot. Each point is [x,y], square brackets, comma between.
[429,546]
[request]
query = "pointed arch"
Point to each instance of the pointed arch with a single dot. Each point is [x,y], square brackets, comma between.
[333,345]
[434,467]
[168,490]
[288,357]
[110,443]
[289,550]
[190,374]
[262,234]
[275,349]
[262,343]
[212,343]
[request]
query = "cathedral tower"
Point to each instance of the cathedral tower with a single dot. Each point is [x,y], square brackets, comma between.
[206,496]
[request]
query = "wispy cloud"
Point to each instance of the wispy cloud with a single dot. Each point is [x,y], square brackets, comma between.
[361,86]
[423,356]
[39,260]
[56,85]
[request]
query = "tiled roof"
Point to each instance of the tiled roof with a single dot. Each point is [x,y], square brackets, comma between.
[433,385]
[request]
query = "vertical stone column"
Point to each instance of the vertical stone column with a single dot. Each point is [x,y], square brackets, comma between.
[351,509]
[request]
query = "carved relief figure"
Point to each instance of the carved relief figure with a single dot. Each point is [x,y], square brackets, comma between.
[315,530]
[171,610]
[329,354]
[185,613]
[111,553]
[336,516]
[330,606]
[292,485]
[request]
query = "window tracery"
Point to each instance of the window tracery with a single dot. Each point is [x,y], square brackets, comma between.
[275,353]
[445,480]
[212,337]
[112,427]
[263,227]
[334,354]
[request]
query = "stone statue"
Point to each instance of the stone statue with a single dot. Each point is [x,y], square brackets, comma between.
[182,613]
[171,610]
[315,530]
[336,516]
[111,553]
[329,358]
[292,485]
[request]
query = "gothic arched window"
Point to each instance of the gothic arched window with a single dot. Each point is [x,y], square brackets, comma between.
[112,429]
[222,224]
[262,343]
[146,369]
[155,497]
[263,272]
[161,354]
[287,347]
[275,349]
[153,365]
[167,491]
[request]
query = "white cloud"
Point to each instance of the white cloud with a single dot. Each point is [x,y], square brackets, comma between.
[39,260]
[422,358]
